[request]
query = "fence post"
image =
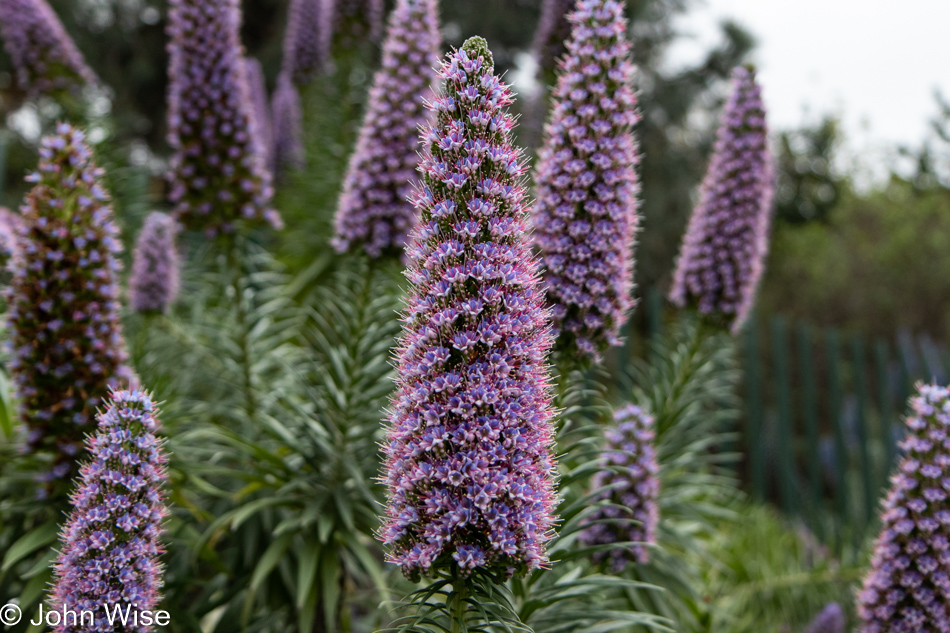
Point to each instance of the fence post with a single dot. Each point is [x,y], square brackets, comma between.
[754,408]
[885,406]
[861,392]
[834,398]
[4,147]
[806,364]
[786,447]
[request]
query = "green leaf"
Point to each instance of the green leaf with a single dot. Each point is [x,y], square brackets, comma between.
[29,543]
[307,571]
[329,577]
[270,559]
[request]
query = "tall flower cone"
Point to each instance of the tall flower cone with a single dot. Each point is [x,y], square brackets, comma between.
[263,125]
[45,59]
[553,32]
[289,151]
[217,172]
[908,587]
[830,620]
[725,246]
[374,212]
[585,217]
[468,454]
[306,45]
[112,539]
[66,336]
[153,285]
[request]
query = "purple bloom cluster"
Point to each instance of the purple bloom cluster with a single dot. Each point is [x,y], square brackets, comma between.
[554,30]
[217,173]
[66,335]
[44,56]
[111,542]
[153,285]
[725,246]
[288,126]
[262,116]
[908,587]
[374,211]
[585,217]
[352,21]
[631,487]
[11,227]
[306,40]
[468,453]
[830,620]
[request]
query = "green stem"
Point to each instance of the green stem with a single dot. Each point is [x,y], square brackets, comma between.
[235,272]
[458,599]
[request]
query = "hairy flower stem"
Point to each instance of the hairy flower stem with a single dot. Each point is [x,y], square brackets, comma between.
[458,599]
[235,272]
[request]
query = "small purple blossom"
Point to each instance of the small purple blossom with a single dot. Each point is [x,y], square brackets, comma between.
[11,227]
[112,539]
[218,172]
[554,30]
[830,620]
[468,454]
[585,217]
[908,587]
[66,337]
[262,116]
[306,40]
[288,126]
[725,246]
[374,211]
[44,57]
[630,485]
[153,285]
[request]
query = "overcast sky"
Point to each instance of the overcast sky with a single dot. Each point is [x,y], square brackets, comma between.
[874,63]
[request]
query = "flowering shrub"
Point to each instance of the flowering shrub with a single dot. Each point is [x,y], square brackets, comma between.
[468,460]
[64,310]
[586,213]
[374,211]
[153,285]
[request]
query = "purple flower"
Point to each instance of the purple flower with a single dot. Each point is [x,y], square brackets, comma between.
[218,171]
[725,246]
[11,228]
[66,337]
[45,58]
[288,126]
[585,217]
[830,620]
[554,30]
[469,462]
[352,21]
[630,487]
[306,44]
[153,284]
[112,539]
[374,211]
[262,115]
[908,587]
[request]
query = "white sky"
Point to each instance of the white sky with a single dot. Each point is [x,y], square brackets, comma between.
[874,63]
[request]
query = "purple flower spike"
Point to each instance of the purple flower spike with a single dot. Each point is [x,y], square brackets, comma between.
[374,211]
[468,461]
[306,44]
[218,171]
[352,21]
[585,217]
[830,620]
[630,474]
[153,285]
[908,587]
[262,116]
[66,337]
[554,30]
[112,540]
[725,246]
[288,126]
[11,228]
[44,56]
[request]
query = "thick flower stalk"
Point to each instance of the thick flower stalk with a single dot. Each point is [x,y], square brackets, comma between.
[725,246]
[153,285]
[469,463]
[554,30]
[262,115]
[352,22]
[306,40]
[585,217]
[630,486]
[45,59]
[908,587]
[112,539]
[65,332]
[374,211]
[217,172]
[289,150]
[830,620]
